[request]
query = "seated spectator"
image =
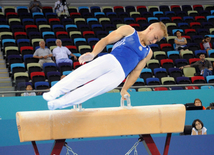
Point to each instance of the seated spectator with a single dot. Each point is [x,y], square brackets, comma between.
[35,6]
[198,102]
[61,7]
[43,54]
[198,128]
[203,65]
[61,53]
[29,87]
[210,107]
[206,43]
[180,42]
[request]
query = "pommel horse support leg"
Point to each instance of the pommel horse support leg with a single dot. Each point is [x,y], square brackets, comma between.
[59,125]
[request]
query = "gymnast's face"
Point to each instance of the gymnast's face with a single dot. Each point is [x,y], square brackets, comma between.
[155,34]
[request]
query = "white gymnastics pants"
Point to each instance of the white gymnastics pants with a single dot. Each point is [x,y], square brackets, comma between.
[106,73]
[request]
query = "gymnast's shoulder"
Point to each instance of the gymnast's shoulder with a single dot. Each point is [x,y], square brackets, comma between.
[126,29]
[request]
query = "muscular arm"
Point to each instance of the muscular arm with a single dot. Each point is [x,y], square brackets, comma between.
[133,76]
[112,38]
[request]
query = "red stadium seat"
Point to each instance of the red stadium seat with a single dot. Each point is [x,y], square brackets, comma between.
[197,79]
[160,89]
[191,87]
[192,60]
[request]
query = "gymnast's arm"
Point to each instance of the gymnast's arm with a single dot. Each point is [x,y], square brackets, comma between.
[112,38]
[132,77]
[109,39]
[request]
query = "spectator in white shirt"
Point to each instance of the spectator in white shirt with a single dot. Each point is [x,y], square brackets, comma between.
[29,87]
[198,128]
[61,53]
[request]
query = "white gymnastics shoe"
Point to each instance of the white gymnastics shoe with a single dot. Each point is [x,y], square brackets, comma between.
[52,105]
[47,96]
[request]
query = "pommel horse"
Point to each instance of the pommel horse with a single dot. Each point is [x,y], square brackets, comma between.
[60,125]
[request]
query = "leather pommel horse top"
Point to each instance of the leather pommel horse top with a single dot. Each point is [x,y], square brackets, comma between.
[100,122]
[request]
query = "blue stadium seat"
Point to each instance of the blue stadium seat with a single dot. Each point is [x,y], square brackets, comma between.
[176,88]
[109,48]
[27,56]
[198,52]
[175,72]
[47,33]
[22,85]
[16,65]
[37,13]
[211,53]
[131,90]
[152,19]
[207,87]
[53,83]
[152,81]
[160,72]
[41,85]
[97,14]
[66,72]
[183,80]
[73,26]
[210,79]
[174,30]
[41,21]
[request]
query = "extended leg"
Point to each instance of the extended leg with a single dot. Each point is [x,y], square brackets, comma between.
[82,75]
[99,86]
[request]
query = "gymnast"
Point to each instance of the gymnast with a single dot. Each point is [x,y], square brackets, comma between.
[129,56]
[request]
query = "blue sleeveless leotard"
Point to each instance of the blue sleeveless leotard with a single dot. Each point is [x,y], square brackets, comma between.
[129,52]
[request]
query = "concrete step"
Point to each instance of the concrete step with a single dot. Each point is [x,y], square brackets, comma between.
[2,65]
[7,95]
[7,88]
[3,70]
[4,74]
[2,61]
[5,83]
[4,79]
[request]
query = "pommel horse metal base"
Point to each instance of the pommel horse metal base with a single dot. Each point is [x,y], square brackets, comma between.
[101,122]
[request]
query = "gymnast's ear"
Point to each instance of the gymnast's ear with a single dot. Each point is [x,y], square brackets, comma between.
[151,27]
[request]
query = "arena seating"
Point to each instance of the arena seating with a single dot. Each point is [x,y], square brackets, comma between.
[21,31]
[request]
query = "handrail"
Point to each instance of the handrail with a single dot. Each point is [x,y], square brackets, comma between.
[135,87]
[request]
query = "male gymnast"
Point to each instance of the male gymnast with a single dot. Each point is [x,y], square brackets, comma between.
[129,56]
